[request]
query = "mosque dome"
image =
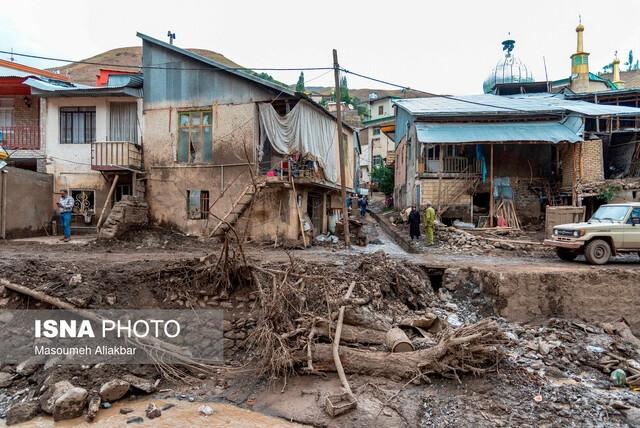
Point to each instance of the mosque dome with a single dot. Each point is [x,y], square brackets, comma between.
[508,70]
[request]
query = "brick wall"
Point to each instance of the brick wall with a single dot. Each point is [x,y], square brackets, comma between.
[128,213]
[24,115]
[589,163]
[526,200]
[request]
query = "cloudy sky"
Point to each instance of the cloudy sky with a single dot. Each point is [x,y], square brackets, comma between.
[438,46]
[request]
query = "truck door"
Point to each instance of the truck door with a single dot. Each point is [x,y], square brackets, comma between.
[631,232]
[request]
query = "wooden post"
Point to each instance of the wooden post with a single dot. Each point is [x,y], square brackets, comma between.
[106,201]
[574,190]
[343,184]
[491,201]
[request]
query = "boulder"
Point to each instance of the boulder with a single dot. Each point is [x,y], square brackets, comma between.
[114,390]
[144,385]
[5,379]
[55,391]
[22,412]
[29,366]
[70,405]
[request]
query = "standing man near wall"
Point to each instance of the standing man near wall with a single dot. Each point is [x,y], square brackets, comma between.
[66,207]
[429,223]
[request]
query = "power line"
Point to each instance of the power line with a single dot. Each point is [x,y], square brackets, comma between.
[161,67]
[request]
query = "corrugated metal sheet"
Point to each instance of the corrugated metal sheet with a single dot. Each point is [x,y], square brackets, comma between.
[492,105]
[568,130]
[45,89]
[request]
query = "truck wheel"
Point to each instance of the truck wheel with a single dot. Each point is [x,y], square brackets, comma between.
[597,252]
[566,254]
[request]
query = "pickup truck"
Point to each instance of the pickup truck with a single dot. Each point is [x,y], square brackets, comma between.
[613,229]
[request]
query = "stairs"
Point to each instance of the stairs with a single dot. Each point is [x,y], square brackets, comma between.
[452,192]
[242,202]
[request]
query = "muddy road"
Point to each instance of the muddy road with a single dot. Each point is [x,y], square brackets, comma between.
[557,316]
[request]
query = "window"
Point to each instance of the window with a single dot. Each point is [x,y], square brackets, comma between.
[77,125]
[123,122]
[377,160]
[197,204]
[195,138]
[6,111]
[634,214]
[376,131]
[380,110]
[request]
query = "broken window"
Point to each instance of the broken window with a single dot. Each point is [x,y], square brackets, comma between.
[380,110]
[197,204]
[77,125]
[195,137]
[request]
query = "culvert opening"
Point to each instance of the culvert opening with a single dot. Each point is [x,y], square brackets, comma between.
[435,277]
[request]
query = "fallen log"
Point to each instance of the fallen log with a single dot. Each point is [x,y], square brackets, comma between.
[398,341]
[353,334]
[475,348]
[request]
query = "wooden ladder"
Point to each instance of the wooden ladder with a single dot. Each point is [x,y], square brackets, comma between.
[469,182]
[239,206]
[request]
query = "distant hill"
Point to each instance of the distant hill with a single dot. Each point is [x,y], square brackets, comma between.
[86,73]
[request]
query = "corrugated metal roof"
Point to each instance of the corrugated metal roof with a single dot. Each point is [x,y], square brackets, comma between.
[493,105]
[568,130]
[46,88]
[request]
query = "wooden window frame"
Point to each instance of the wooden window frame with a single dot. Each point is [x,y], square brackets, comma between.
[67,118]
[207,155]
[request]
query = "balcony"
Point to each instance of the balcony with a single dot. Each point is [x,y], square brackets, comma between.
[20,137]
[453,166]
[116,156]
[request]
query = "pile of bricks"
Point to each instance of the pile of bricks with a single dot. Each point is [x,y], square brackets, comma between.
[129,213]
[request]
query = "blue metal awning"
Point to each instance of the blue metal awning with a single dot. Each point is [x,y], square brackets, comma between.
[568,130]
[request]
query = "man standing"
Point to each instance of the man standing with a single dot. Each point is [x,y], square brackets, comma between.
[429,222]
[66,207]
[414,223]
[362,204]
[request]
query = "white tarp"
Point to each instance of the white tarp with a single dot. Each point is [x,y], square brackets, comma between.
[305,130]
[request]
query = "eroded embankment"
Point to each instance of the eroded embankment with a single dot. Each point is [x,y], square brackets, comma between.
[523,295]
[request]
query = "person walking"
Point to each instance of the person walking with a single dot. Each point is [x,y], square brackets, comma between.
[66,207]
[414,223]
[429,223]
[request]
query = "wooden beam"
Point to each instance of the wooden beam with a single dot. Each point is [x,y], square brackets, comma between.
[106,202]
[491,201]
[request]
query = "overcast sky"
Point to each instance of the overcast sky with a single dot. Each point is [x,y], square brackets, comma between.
[439,46]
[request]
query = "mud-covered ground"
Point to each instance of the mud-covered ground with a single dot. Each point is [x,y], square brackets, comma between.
[555,373]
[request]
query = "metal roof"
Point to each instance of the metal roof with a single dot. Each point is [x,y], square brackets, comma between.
[567,130]
[494,105]
[244,74]
[48,88]
[14,69]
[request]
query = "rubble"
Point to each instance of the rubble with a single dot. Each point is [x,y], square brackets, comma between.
[114,390]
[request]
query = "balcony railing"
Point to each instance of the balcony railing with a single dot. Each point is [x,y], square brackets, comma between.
[116,156]
[454,165]
[20,137]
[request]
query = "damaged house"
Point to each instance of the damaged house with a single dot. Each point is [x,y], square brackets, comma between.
[477,156]
[225,148]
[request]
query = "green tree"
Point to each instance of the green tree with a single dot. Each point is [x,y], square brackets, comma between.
[383,176]
[631,65]
[300,84]
[344,90]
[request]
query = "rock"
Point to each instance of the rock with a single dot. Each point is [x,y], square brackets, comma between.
[114,389]
[205,410]
[22,412]
[631,415]
[111,299]
[167,406]
[29,366]
[70,405]
[76,279]
[143,385]
[105,405]
[125,411]
[55,391]
[5,379]
[135,420]
[543,347]
[92,409]
[153,411]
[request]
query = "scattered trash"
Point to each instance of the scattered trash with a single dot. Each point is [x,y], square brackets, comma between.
[205,410]
[596,349]
[338,404]
[619,377]
[537,398]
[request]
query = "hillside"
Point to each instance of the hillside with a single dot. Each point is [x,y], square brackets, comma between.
[363,94]
[119,57]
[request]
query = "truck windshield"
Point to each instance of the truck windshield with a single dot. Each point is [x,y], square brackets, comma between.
[614,213]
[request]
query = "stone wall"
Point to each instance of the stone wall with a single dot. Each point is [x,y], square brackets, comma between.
[129,213]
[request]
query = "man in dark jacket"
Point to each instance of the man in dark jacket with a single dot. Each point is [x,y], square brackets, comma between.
[414,223]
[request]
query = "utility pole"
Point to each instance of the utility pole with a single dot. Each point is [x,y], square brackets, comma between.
[343,184]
